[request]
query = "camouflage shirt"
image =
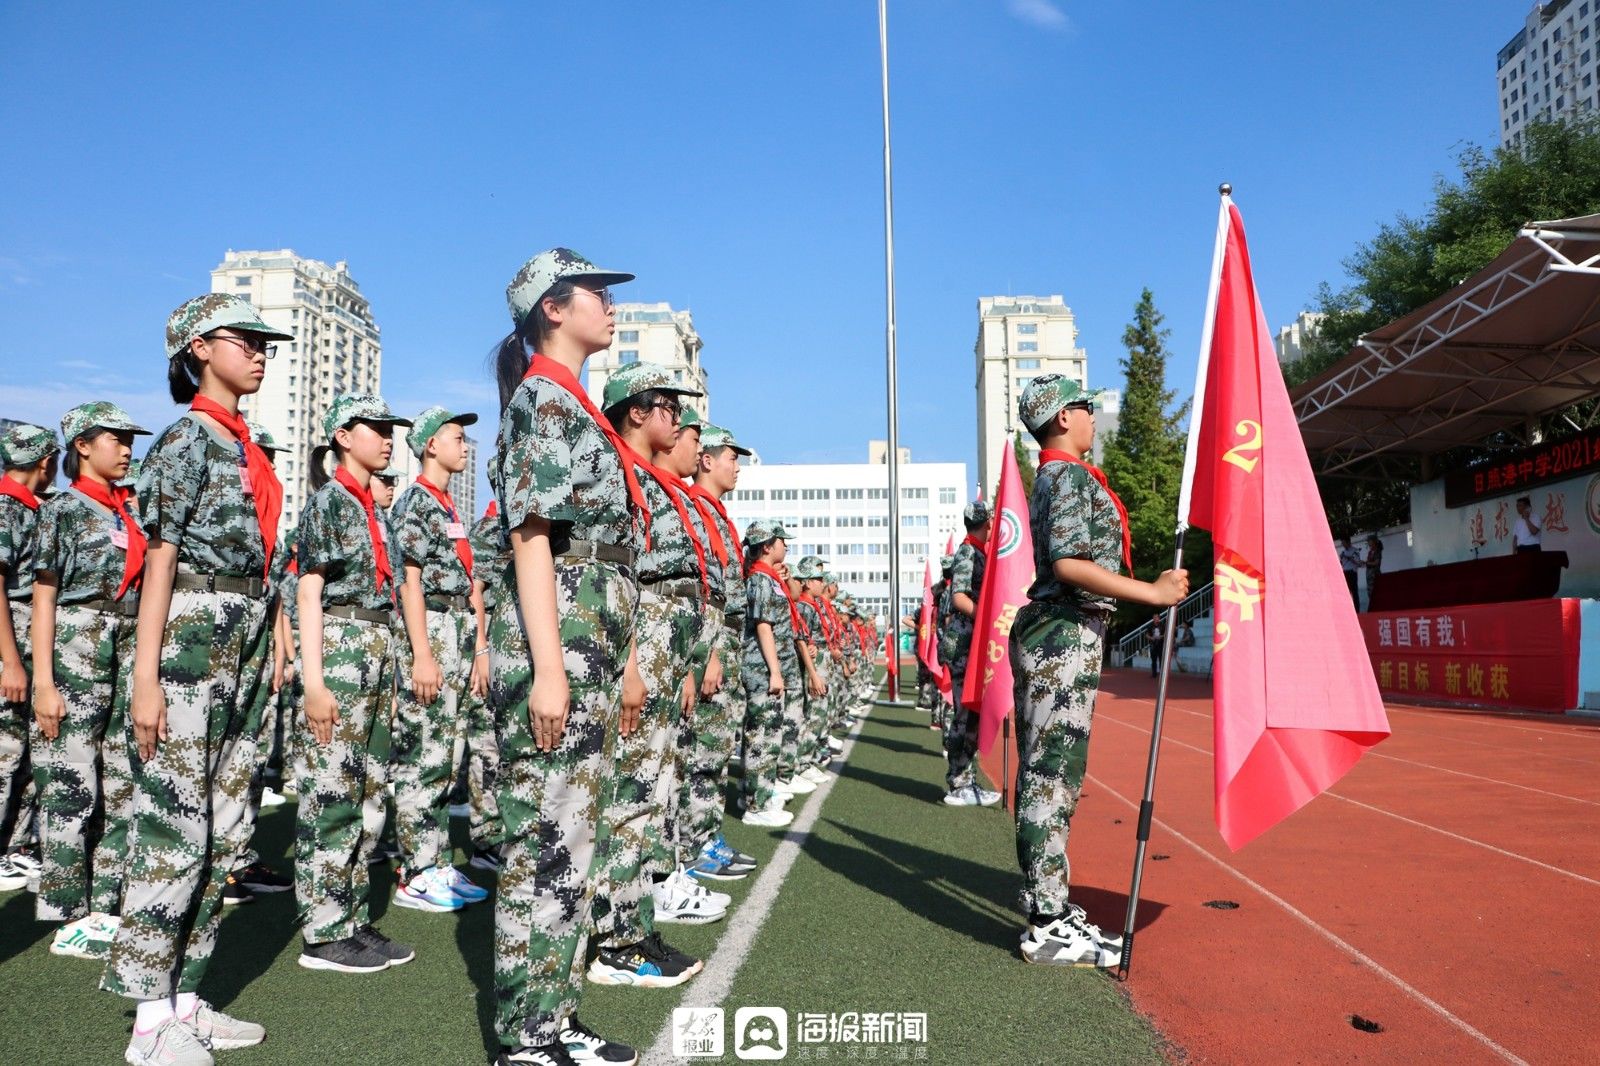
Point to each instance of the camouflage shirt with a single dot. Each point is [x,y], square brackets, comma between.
[813,620]
[714,569]
[731,575]
[490,557]
[765,602]
[421,535]
[966,577]
[191,495]
[1072,517]
[74,544]
[671,553]
[333,538]
[553,462]
[17,525]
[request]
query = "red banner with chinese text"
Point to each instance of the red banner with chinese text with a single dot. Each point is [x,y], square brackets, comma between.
[1522,655]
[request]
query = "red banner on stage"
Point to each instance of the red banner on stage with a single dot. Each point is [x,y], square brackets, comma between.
[1522,655]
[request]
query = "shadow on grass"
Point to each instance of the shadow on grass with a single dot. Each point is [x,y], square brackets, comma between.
[19,933]
[904,746]
[253,935]
[896,784]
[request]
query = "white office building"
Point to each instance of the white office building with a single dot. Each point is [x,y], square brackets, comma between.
[336,348]
[653,333]
[1547,71]
[1019,338]
[840,511]
[1291,341]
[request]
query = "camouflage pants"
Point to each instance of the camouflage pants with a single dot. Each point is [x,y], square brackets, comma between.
[927,689]
[85,782]
[191,812]
[18,797]
[429,740]
[483,771]
[341,809]
[550,802]
[960,735]
[631,845]
[675,844]
[705,745]
[763,732]
[818,712]
[794,716]
[1055,658]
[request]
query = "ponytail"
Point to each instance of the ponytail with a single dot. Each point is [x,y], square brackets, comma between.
[183,377]
[510,358]
[752,555]
[319,472]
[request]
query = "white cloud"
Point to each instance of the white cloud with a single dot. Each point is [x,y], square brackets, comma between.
[1045,14]
[44,403]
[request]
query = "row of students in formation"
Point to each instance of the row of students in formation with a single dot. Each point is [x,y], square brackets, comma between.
[592,651]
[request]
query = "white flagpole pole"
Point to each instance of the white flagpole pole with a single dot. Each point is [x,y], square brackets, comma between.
[1147,806]
[890,354]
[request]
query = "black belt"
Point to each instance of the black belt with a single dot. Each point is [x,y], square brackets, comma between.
[719,601]
[577,551]
[686,588]
[360,614]
[734,625]
[448,603]
[244,586]
[128,607]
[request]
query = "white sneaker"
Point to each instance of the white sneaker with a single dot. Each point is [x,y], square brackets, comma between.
[692,884]
[815,774]
[800,785]
[220,1032]
[83,939]
[271,797]
[12,877]
[169,1044]
[965,796]
[986,798]
[768,818]
[835,745]
[677,905]
[783,786]
[1066,942]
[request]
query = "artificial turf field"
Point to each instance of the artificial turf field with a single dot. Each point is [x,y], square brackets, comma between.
[895,903]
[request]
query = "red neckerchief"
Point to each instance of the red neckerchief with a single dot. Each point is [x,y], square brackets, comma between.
[294,565]
[974,541]
[676,494]
[463,549]
[19,492]
[866,641]
[783,587]
[822,619]
[114,498]
[266,491]
[542,366]
[1053,455]
[364,497]
[492,510]
[722,513]
[718,545]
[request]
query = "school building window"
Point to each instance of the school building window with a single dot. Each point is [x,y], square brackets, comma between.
[628,336]
[947,495]
[1028,329]
[847,494]
[877,494]
[628,355]
[1027,346]
[914,521]
[785,494]
[1027,364]
[813,494]
[913,494]
[746,495]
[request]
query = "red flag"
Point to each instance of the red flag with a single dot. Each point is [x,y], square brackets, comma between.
[1007,573]
[891,662]
[1296,703]
[927,629]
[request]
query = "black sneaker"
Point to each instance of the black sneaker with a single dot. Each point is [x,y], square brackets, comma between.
[636,966]
[234,892]
[259,877]
[487,859]
[349,955]
[586,1045]
[397,953]
[689,963]
[545,1055]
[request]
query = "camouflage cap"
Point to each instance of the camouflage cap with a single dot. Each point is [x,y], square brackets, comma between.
[690,419]
[635,378]
[547,268]
[758,533]
[100,414]
[809,568]
[24,445]
[976,514]
[215,310]
[714,436]
[348,407]
[1049,393]
[264,438]
[948,563]
[390,473]
[429,422]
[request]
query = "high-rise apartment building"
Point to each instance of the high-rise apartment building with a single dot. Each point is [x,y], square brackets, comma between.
[840,511]
[653,333]
[336,348]
[1019,338]
[1547,71]
[1292,339]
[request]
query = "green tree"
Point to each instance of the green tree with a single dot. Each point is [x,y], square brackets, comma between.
[1143,459]
[1024,468]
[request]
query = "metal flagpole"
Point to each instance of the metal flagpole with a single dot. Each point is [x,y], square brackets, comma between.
[1147,805]
[889,340]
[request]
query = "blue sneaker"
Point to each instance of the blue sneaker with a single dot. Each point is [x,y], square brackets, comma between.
[458,883]
[427,892]
[736,859]
[710,868]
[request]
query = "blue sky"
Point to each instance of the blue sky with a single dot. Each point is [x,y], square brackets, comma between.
[729,154]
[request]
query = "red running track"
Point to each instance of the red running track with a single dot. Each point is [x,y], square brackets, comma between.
[1448,889]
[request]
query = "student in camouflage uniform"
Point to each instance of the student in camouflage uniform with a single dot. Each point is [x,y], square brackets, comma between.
[85,600]
[961,736]
[1080,547]
[209,504]
[708,740]
[28,455]
[346,597]
[490,558]
[941,625]
[768,663]
[811,644]
[562,669]
[440,667]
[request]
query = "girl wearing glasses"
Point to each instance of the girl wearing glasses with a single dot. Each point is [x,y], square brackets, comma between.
[561,649]
[208,504]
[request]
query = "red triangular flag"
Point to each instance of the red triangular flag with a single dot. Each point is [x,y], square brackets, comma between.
[1008,571]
